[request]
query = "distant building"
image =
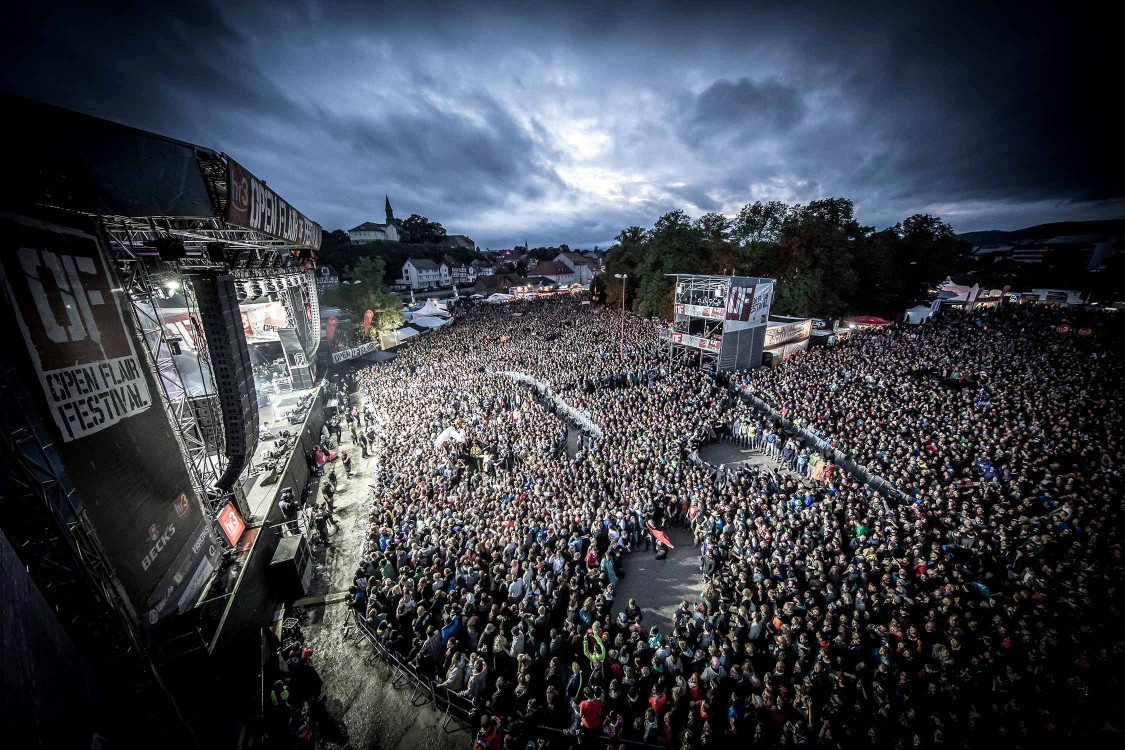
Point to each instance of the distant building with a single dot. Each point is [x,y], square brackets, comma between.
[460,273]
[326,278]
[584,268]
[369,231]
[503,283]
[481,268]
[558,272]
[460,240]
[423,273]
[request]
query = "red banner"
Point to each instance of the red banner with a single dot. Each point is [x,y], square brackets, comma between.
[367,317]
[231,523]
[330,327]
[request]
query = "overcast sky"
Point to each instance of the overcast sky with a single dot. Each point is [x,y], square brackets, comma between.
[570,123]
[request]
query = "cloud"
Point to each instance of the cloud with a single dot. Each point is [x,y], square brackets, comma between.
[743,111]
[569,126]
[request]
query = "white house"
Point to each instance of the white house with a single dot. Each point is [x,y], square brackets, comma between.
[583,268]
[460,273]
[423,273]
[558,272]
[481,268]
[369,231]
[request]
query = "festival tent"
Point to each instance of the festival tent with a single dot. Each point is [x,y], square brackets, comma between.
[429,322]
[917,314]
[497,298]
[432,309]
[866,321]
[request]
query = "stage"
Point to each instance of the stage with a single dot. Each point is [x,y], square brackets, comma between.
[273,418]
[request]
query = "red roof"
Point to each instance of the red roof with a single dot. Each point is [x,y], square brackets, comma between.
[867,320]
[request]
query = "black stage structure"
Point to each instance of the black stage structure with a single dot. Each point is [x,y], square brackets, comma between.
[131,421]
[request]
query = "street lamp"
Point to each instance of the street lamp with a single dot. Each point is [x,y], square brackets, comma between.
[624,280]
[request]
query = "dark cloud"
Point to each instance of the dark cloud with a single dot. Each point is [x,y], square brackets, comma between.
[743,111]
[570,125]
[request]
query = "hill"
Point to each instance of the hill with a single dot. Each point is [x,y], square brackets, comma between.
[1043,232]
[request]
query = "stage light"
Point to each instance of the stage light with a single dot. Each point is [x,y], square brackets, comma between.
[172,285]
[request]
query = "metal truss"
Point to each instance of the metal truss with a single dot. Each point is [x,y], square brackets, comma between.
[43,519]
[203,469]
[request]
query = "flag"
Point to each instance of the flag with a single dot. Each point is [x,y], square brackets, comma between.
[661,537]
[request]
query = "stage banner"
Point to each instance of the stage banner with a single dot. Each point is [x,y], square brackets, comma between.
[697,342]
[73,326]
[252,205]
[120,454]
[788,333]
[700,311]
[356,351]
[261,322]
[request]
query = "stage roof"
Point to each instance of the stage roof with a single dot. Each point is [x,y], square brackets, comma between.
[147,184]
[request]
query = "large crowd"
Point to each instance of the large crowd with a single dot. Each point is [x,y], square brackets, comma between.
[975,602]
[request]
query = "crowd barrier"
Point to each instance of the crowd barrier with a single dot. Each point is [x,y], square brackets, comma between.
[582,419]
[456,708]
[814,440]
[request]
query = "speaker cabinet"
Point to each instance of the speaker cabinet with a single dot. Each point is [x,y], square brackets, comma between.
[230,363]
[291,567]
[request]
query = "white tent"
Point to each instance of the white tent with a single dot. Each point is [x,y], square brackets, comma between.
[498,298]
[429,322]
[433,308]
[917,315]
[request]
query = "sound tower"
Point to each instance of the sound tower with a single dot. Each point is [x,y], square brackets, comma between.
[230,362]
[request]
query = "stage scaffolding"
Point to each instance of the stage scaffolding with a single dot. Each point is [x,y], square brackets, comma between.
[719,322]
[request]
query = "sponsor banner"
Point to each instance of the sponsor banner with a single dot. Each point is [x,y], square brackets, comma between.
[128,472]
[787,333]
[356,351]
[748,306]
[184,577]
[73,326]
[700,311]
[697,342]
[252,205]
[231,523]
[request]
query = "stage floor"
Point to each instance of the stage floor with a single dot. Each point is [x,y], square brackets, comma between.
[274,417]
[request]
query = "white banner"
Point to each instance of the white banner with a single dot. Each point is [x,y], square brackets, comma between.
[356,351]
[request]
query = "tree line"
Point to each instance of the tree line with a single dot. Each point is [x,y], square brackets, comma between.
[824,260]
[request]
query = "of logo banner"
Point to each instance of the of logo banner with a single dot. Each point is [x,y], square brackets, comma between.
[73,326]
[94,396]
[251,204]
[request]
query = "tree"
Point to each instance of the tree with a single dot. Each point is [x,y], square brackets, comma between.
[366,292]
[422,230]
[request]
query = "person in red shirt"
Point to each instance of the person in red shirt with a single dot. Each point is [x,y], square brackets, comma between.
[591,711]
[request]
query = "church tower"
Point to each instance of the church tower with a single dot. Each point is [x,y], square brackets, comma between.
[390,214]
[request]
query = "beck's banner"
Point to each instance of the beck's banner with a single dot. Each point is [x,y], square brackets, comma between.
[73,325]
[252,205]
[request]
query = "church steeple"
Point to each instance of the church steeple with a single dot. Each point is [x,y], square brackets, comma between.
[390,214]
